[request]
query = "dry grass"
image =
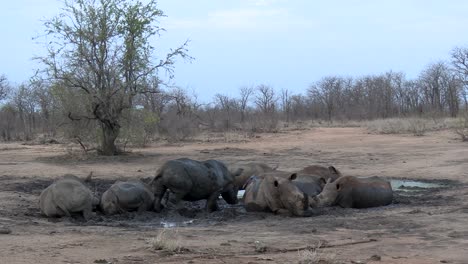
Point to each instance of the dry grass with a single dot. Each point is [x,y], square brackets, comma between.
[415,126]
[167,240]
[313,256]
[462,129]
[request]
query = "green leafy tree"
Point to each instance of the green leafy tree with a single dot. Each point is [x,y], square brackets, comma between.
[103,49]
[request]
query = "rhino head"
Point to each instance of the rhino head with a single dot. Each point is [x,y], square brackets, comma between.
[328,195]
[292,198]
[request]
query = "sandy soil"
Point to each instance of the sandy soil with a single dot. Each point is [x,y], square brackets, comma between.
[424,226]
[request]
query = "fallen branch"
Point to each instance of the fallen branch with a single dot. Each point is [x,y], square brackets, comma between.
[323,246]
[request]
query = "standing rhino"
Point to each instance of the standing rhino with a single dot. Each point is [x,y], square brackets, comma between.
[192,180]
[249,169]
[353,192]
[66,196]
[275,192]
[127,196]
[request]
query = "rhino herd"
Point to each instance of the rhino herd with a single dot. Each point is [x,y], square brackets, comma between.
[266,189]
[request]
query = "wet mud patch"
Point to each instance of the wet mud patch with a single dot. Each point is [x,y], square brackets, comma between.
[24,195]
[428,192]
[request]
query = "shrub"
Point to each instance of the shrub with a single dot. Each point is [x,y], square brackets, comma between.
[166,240]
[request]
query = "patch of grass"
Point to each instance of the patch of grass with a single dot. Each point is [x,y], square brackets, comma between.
[415,126]
[313,256]
[462,127]
[166,240]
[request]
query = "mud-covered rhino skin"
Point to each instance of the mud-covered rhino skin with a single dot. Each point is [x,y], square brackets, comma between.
[66,196]
[354,192]
[326,173]
[132,195]
[312,179]
[249,170]
[192,180]
[276,192]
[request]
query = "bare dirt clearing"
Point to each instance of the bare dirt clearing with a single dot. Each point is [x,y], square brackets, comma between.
[422,226]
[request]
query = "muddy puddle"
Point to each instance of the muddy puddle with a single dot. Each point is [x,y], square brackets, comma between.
[413,185]
[25,191]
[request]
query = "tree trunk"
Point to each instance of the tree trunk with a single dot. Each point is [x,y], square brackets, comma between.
[109,135]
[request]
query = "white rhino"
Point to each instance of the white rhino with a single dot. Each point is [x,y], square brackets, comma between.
[66,196]
[132,195]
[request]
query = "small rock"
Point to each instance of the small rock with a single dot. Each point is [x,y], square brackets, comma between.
[445,261]
[5,231]
[376,258]
[357,262]
[139,171]
[225,244]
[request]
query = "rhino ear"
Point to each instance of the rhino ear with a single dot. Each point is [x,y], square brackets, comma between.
[333,170]
[238,172]
[293,176]
[276,183]
[323,180]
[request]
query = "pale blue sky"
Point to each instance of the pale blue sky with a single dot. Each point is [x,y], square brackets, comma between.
[286,44]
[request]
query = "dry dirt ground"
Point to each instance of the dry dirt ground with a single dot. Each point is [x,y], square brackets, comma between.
[424,226]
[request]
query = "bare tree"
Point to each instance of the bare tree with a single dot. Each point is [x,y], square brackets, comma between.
[102,48]
[460,65]
[227,106]
[266,99]
[4,87]
[25,102]
[245,94]
[286,103]
[329,91]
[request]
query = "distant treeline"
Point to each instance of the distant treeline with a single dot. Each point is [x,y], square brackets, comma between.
[39,107]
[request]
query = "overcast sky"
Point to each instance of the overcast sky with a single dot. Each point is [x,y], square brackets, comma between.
[285,44]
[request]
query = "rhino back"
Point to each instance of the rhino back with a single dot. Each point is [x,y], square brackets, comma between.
[249,169]
[190,177]
[254,197]
[129,195]
[221,174]
[365,193]
[46,202]
[73,194]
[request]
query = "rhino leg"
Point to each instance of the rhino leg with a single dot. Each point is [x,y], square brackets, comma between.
[87,214]
[158,195]
[177,198]
[282,211]
[61,208]
[211,202]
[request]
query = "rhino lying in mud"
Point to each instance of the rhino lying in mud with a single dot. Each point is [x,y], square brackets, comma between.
[66,196]
[275,192]
[249,169]
[132,195]
[312,179]
[353,192]
[326,173]
[192,180]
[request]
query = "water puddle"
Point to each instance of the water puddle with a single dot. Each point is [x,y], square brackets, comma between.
[170,224]
[411,185]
